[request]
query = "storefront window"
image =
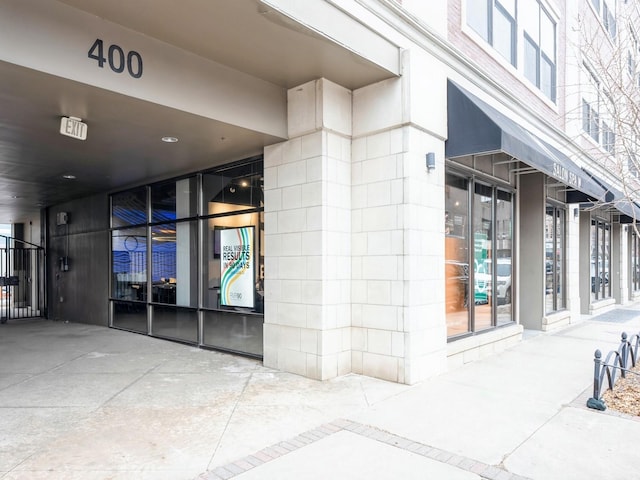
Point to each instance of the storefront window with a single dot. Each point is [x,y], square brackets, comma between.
[129,208]
[482,256]
[600,259]
[635,260]
[555,294]
[129,278]
[504,255]
[129,264]
[192,271]
[174,200]
[478,256]
[173,263]
[457,255]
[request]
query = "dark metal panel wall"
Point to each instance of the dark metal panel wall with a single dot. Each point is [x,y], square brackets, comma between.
[532,237]
[80,292]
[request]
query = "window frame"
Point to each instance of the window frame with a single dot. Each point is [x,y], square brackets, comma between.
[558,241]
[476,187]
[519,39]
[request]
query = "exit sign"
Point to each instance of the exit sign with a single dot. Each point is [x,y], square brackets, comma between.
[73,127]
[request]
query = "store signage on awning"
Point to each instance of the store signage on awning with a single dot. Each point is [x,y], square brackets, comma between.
[476,128]
[567,176]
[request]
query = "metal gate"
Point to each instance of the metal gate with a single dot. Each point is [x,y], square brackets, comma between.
[22,279]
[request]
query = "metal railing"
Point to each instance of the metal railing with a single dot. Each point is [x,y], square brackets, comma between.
[22,279]
[622,360]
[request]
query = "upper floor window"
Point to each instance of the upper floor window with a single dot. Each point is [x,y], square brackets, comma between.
[598,112]
[609,19]
[608,138]
[539,47]
[495,21]
[606,12]
[499,21]
[591,119]
[591,105]
[632,165]
[632,54]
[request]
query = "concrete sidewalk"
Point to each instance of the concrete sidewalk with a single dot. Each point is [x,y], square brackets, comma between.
[84,402]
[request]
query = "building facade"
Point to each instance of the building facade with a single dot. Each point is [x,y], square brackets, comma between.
[425,181]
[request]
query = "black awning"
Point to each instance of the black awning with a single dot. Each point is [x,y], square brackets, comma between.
[477,128]
[621,202]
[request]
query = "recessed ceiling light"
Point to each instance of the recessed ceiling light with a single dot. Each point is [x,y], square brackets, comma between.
[69,177]
[170,139]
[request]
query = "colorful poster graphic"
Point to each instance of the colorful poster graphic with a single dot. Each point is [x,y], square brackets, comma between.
[236,267]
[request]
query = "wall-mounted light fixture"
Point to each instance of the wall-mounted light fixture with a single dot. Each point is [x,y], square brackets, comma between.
[431,161]
[576,212]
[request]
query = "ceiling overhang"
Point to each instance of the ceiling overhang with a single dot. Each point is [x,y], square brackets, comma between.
[216,74]
[284,42]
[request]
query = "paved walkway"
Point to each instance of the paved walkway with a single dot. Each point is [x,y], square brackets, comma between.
[85,402]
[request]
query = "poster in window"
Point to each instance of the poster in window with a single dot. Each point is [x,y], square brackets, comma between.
[237,267]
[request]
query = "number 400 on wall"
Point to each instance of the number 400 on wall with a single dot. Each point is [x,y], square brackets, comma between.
[116,58]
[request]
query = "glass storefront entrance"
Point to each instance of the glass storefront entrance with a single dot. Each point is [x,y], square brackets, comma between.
[634,260]
[600,259]
[187,258]
[478,255]
[555,263]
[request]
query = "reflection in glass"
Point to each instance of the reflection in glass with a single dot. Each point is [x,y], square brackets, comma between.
[175,323]
[504,34]
[559,288]
[129,264]
[456,255]
[157,282]
[212,257]
[483,256]
[173,263]
[231,198]
[237,332]
[130,316]
[594,255]
[601,262]
[549,236]
[607,263]
[635,260]
[503,267]
[600,259]
[232,189]
[478,18]
[129,208]
[174,200]
[555,292]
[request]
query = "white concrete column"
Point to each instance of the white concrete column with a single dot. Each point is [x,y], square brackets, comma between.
[307,180]
[398,314]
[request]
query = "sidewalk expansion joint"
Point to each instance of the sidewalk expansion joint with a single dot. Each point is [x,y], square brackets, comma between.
[267,454]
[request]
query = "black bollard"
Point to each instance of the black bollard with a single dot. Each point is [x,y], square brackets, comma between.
[596,402]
